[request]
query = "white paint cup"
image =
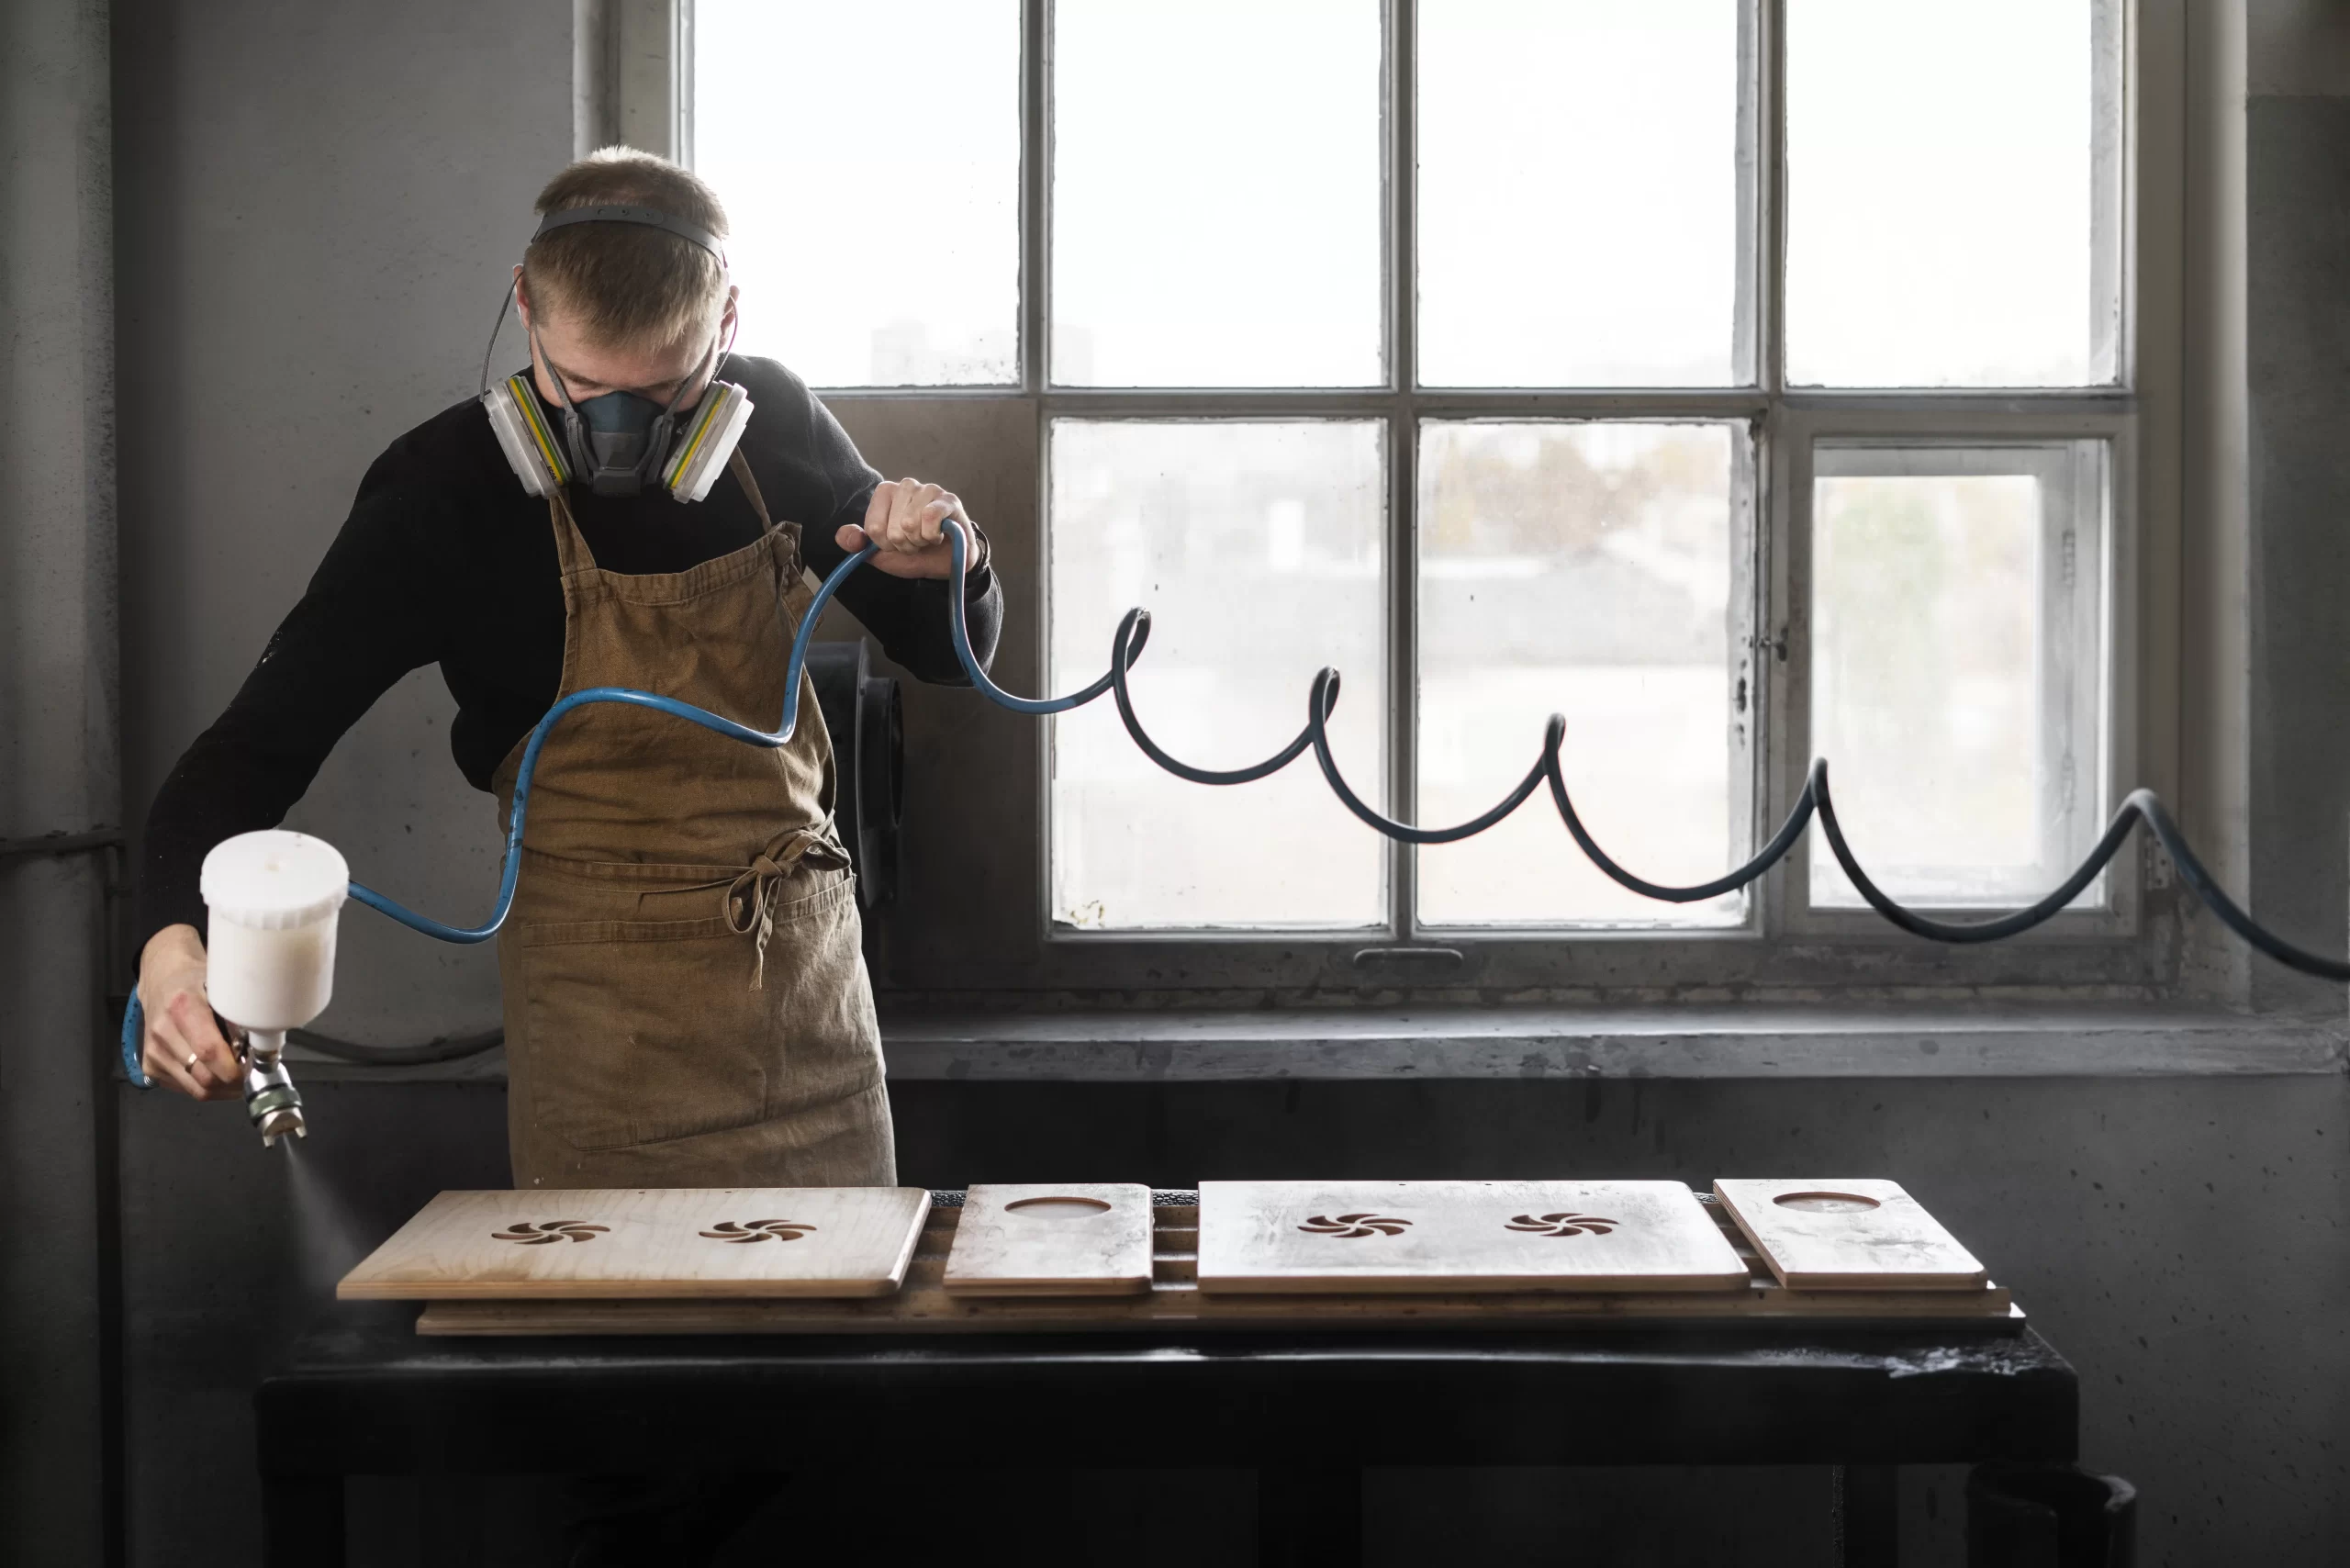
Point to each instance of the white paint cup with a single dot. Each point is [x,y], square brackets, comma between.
[273,899]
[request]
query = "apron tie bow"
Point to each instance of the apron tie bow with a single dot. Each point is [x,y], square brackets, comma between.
[751,897]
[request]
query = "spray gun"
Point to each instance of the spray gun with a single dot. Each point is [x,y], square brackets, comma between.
[274,900]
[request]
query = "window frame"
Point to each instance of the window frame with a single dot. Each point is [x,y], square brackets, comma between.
[1782,940]
[2117,913]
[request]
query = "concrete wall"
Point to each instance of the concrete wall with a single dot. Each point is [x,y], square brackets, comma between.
[316,204]
[318,207]
[58,774]
[2297,224]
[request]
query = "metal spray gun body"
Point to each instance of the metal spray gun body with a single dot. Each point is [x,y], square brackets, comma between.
[271,1099]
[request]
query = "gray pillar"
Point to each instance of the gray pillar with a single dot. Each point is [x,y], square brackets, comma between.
[2297,288]
[59,769]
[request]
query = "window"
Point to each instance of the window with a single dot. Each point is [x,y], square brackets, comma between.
[1972,721]
[1743,380]
[777,89]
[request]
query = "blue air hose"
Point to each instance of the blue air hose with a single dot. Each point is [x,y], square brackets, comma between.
[1126,645]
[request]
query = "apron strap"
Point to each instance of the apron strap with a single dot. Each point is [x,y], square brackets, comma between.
[750,899]
[740,467]
[571,552]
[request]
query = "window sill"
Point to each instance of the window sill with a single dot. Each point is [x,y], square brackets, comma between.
[1750,1042]
[1943,1041]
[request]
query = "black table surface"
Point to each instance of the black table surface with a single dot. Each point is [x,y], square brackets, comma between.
[363,1394]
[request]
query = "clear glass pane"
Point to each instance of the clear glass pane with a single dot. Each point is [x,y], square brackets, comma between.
[1949,177]
[1216,193]
[1257,549]
[1579,194]
[822,172]
[1588,570]
[1957,676]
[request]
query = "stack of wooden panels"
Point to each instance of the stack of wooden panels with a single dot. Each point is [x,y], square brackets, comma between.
[1250,1255]
[1834,1235]
[646,1243]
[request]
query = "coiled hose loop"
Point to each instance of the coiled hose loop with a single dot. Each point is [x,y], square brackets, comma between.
[1126,645]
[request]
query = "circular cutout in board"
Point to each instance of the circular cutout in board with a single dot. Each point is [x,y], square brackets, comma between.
[1826,1203]
[1056,1208]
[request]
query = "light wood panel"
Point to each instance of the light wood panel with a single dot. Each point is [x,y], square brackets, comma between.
[682,1241]
[1382,1236]
[1847,1234]
[1175,1301]
[1079,1239]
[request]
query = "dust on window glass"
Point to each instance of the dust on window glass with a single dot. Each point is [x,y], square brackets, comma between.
[1584,569]
[1258,548]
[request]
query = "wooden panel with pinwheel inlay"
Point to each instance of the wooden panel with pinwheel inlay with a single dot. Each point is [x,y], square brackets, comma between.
[633,1243]
[923,1305]
[1364,1237]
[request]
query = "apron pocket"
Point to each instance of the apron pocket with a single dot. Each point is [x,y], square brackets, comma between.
[819,998]
[643,1031]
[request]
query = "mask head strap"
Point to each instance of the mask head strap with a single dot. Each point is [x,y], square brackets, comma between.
[504,304]
[649,217]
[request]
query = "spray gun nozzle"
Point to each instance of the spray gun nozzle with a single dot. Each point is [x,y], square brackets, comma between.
[280,1120]
[271,1099]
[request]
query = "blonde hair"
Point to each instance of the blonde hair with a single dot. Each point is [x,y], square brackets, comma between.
[626,283]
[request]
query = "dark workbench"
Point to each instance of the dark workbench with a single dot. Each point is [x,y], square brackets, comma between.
[363,1394]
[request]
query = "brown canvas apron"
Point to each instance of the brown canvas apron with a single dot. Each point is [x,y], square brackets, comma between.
[686,1001]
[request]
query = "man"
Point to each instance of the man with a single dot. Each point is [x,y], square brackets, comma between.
[686,1003]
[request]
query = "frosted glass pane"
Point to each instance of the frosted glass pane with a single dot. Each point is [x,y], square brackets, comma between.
[1942,194]
[875,246]
[1954,693]
[1257,548]
[1583,569]
[1578,216]
[1216,193]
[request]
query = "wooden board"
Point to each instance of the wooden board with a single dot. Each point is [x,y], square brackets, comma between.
[1176,1302]
[1080,1239]
[1355,1236]
[1847,1235]
[674,1241]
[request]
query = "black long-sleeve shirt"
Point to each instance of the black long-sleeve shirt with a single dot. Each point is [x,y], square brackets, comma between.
[445,559]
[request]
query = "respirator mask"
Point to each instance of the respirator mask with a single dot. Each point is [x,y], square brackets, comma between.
[618,442]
